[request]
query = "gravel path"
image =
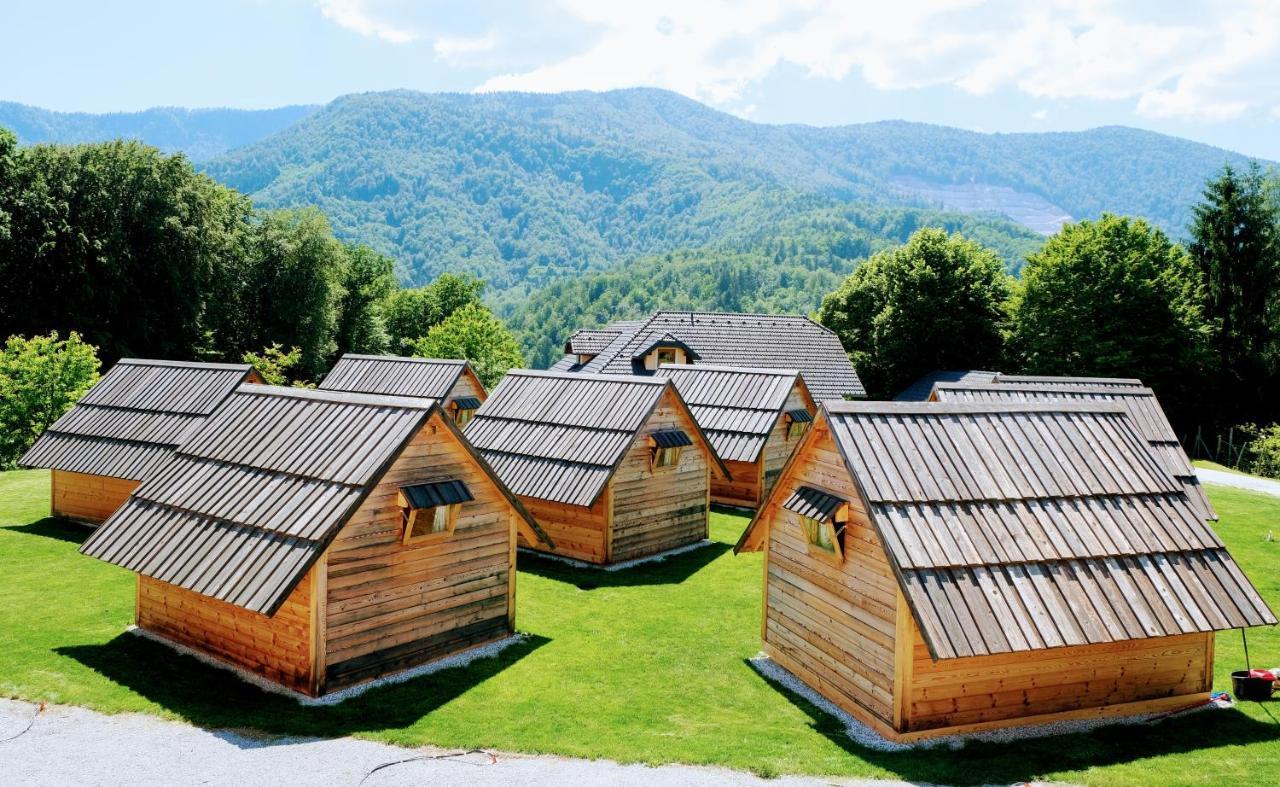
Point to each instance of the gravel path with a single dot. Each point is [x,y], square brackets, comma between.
[1264,485]
[73,746]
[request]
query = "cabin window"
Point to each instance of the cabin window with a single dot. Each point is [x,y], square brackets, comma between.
[797,422]
[666,355]
[822,518]
[429,511]
[423,524]
[665,446]
[463,408]
[666,457]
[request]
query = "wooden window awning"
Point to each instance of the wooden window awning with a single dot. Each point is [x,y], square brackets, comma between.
[815,504]
[670,438]
[440,493]
[799,416]
[466,403]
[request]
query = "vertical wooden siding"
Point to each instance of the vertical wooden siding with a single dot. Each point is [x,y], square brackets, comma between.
[391,606]
[832,625]
[656,509]
[87,498]
[983,689]
[275,647]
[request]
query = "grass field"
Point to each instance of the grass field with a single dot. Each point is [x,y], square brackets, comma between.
[647,665]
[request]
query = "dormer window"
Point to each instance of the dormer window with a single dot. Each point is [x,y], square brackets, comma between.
[797,423]
[463,408]
[666,355]
[823,517]
[665,447]
[429,512]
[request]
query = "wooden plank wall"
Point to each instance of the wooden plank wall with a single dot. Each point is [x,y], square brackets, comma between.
[391,606]
[832,625]
[982,689]
[87,498]
[778,449]
[656,509]
[743,490]
[578,532]
[276,647]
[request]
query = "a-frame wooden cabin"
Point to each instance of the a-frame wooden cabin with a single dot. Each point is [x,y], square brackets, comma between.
[452,382]
[753,418]
[126,425]
[614,467]
[321,539]
[945,568]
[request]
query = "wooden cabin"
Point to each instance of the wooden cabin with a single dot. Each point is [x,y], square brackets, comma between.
[946,568]
[1140,402]
[126,425]
[613,467]
[753,418]
[453,382]
[757,341]
[321,539]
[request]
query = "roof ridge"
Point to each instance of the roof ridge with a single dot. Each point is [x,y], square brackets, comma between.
[240,367]
[961,408]
[403,358]
[1131,390]
[487,417]
[607,378]
[726,369]
[338,397]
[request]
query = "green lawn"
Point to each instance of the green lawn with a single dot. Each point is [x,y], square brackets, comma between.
[1207,465]
[647,665]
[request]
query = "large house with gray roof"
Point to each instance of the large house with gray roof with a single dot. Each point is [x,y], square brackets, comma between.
[771,341]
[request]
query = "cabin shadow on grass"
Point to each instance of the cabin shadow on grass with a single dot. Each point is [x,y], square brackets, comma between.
[672,570]
[55,528]
[1031,759]
[216,699]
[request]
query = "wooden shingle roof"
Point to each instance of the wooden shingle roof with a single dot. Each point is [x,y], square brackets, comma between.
[736,407]
[134,417]
[1139,402]
[559,437]
[244,507]
[390,375]
[774,341]
[1015,527]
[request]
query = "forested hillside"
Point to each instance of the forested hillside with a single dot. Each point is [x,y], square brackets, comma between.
[199,133]
[524,189]
[792,264]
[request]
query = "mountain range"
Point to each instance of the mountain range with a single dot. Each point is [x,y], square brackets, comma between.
[581,188]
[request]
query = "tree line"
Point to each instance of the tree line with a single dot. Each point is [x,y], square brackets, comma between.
[143,256]
[1114,297]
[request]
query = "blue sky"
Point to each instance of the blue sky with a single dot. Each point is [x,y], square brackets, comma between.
[1209,71]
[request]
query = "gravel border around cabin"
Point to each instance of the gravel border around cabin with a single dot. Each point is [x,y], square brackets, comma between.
[63,745]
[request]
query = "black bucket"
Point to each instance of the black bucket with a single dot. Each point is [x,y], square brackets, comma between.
[1247,688]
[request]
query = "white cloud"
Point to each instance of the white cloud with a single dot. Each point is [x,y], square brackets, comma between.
[1209,60]
[1040,114]
[357,16]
